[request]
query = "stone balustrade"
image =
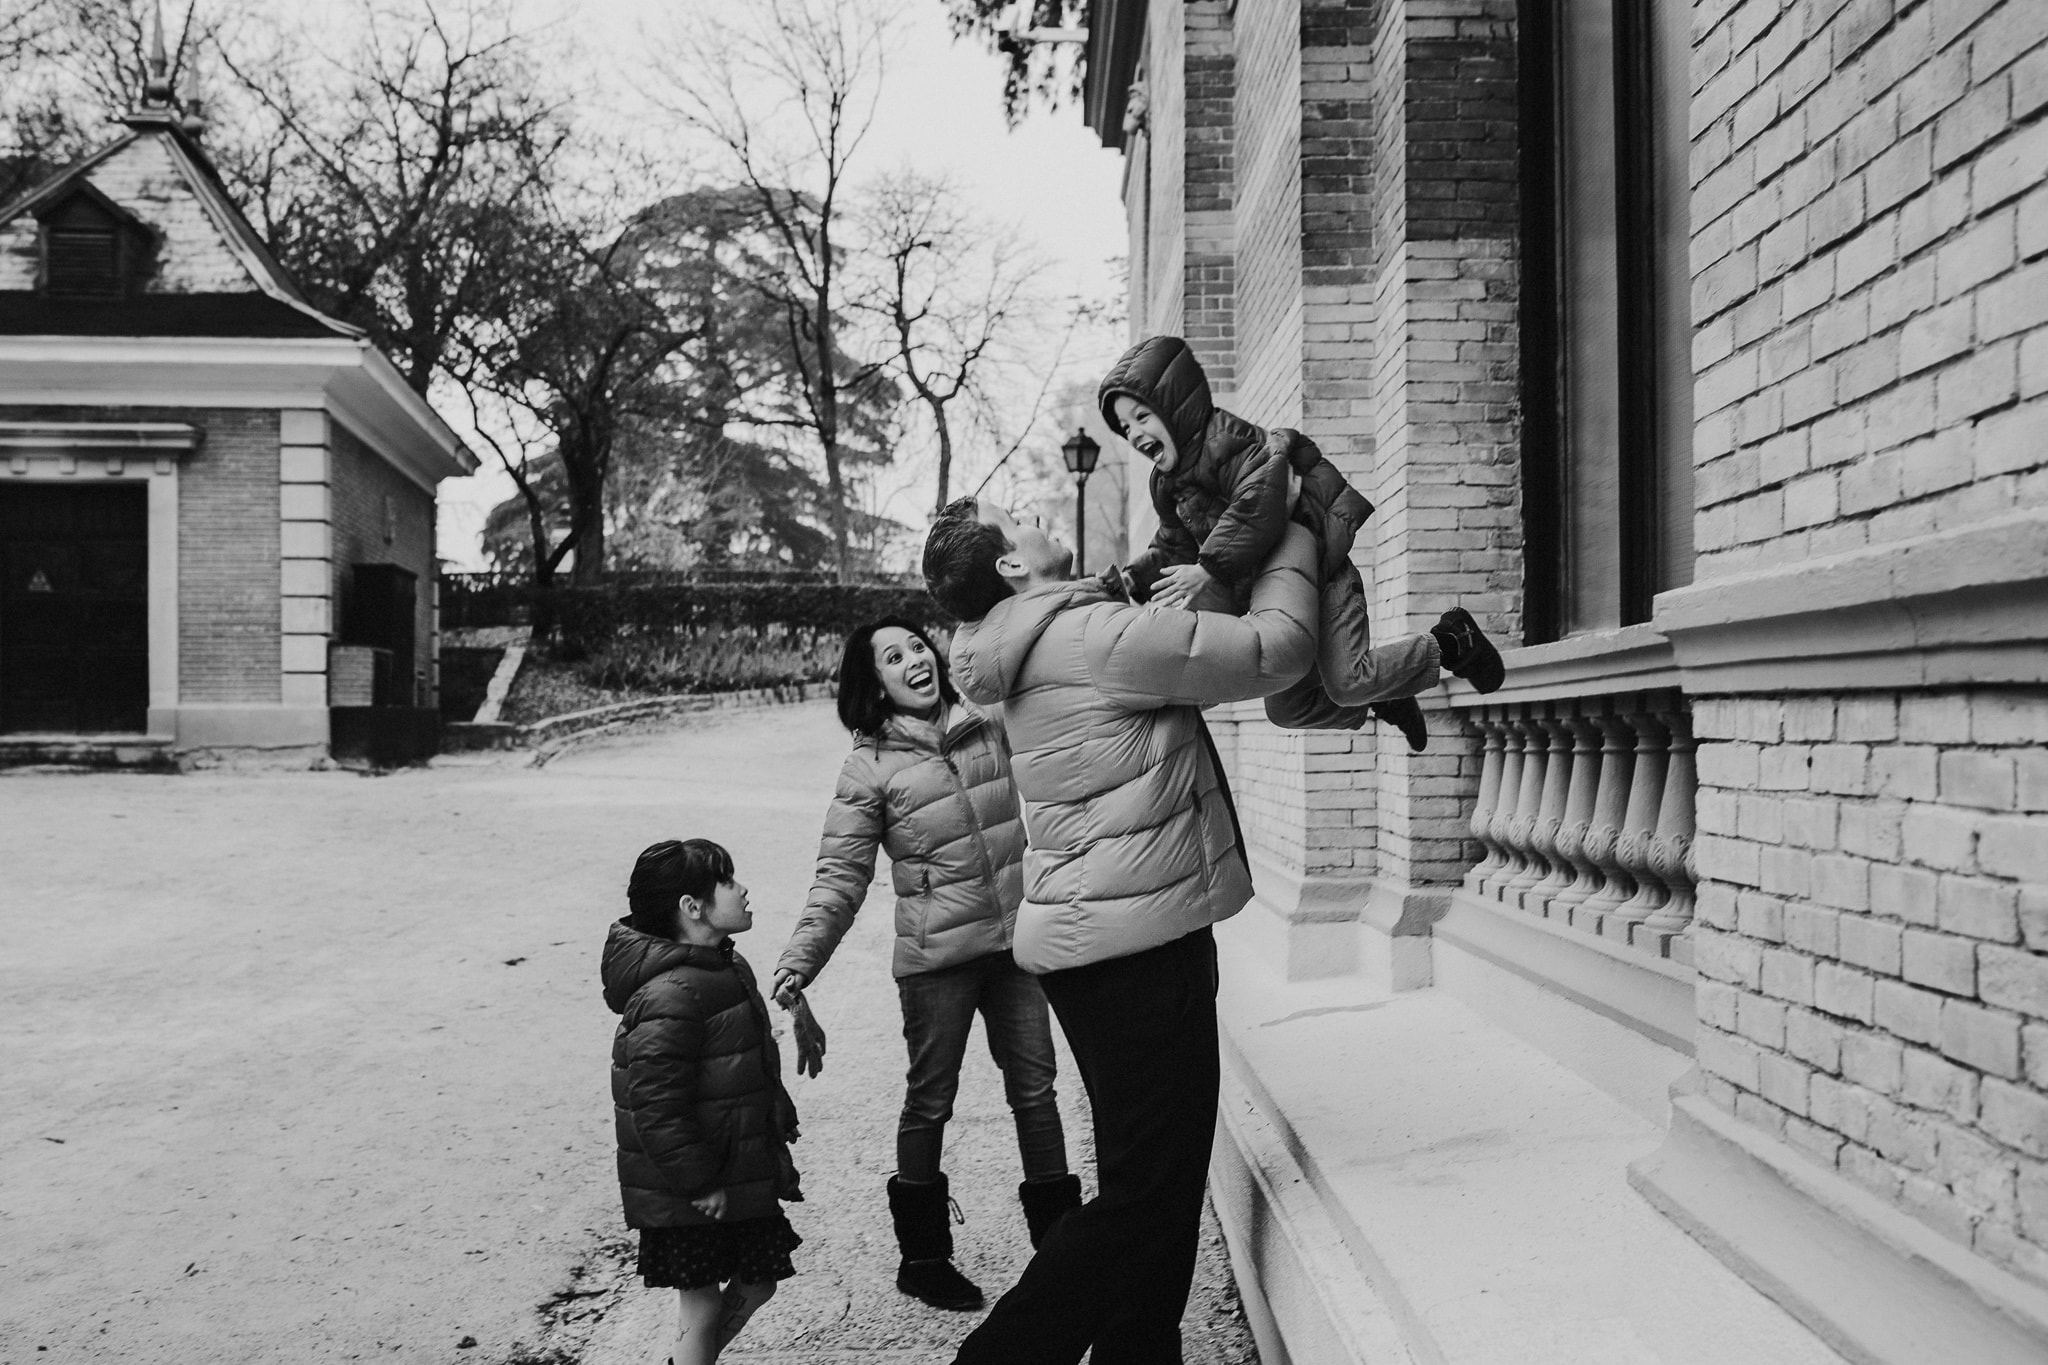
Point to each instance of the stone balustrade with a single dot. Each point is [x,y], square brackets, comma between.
[1585,811]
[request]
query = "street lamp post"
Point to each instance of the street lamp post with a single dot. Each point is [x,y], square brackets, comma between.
[1081,451]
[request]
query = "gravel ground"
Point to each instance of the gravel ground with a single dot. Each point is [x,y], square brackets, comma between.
[312,1067]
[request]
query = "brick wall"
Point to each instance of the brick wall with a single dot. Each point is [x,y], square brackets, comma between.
[1871,302]
[227,546]
[363,482]
[1872,920]
[1871,348]
[228,608]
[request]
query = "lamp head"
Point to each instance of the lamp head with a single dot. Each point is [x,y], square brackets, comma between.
[1081,450]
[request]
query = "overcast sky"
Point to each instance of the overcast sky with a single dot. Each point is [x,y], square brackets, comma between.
[940,112]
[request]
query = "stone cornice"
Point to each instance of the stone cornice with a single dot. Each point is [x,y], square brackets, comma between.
[1953,608]
[1944,610]
[1596,663]
[157,440]
[348,377]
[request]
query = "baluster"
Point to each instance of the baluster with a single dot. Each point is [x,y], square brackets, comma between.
[1639,828]
[1495,730]
[1609,884]
[1671,850]
[1504,805]
[1574,873]
[1529,865]
[1557,771]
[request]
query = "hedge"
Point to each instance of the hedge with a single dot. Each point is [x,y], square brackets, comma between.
[587,619]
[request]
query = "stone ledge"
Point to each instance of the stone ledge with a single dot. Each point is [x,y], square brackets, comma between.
[1649,995]
[1311,1303]
[1443,1179]
[1948,609]
[1872,1282]
[1596,663]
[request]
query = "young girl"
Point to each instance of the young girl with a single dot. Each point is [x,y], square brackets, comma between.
[1225,490]
[929,782]
[704,1124]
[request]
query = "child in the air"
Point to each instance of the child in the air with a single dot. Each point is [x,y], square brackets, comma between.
[1225,491]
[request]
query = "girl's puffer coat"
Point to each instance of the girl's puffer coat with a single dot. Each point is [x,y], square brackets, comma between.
[697,1091]
[944,809]
[1224,506]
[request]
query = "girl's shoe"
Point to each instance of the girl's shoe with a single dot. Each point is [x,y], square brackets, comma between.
[1046,1202]
[927,1273]
[1405,715]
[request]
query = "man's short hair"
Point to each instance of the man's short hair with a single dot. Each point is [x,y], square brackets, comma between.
[960,558]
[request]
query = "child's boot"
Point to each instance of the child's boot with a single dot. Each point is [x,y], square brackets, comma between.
[1047,1201]
[1405,715]
[1466,652]
[927,1273]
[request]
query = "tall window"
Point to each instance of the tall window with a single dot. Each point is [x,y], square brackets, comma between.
[1606,314]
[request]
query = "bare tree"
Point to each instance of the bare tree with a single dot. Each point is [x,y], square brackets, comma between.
[784,93]
[388,179]
[578,353]
[952,294]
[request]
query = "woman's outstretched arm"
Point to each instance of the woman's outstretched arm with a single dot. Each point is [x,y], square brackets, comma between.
[854,826]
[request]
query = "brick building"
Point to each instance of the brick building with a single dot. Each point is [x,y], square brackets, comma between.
[1700,350]
[216,503]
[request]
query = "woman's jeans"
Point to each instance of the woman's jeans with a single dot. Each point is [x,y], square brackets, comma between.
[938,1011]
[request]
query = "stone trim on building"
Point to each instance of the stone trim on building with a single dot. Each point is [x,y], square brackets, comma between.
[58,452]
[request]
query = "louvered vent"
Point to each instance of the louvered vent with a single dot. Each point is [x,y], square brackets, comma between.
[82,261]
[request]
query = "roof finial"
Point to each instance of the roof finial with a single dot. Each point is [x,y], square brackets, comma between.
[156,89]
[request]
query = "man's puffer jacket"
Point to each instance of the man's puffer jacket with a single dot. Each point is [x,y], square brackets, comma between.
[1132,841]
[1225,503]
[697,1091]
[944,809]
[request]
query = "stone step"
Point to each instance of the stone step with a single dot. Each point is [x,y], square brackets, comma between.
[1401,1179]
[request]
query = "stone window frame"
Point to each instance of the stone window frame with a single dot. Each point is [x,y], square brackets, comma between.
[1605,316]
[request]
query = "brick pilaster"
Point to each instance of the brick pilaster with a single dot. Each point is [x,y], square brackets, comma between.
[1444,378]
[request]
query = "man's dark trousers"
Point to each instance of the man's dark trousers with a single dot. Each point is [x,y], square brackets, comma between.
[1115,1273]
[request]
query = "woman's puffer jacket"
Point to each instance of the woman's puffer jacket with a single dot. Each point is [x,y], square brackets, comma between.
[1225,503]
[944,809]
[1133,840]
[697,1091]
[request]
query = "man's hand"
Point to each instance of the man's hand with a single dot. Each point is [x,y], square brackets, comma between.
[810,1039]
[711,1205]
[789,986]
[1180,585]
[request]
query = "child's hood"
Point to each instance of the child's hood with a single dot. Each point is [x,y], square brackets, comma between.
[632,959]
[1163,374]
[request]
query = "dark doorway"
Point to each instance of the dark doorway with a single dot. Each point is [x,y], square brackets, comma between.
[74,608]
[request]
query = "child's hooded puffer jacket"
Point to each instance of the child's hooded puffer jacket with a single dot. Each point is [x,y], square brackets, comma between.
[1225,503]
[697,1090]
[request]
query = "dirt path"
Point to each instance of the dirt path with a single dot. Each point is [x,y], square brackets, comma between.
[312,1067]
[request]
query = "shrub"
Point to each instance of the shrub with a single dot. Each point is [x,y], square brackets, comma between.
[711,659]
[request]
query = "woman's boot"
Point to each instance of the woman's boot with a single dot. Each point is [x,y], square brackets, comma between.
[1048,1201]
[927,1273]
